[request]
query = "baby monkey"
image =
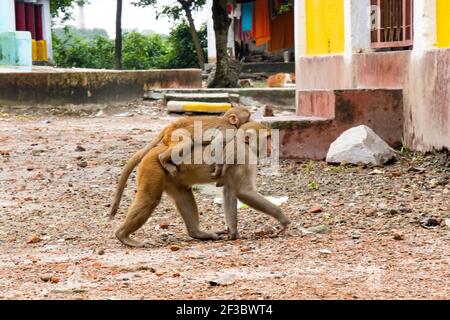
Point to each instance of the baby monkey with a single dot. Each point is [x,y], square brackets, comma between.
[183,129]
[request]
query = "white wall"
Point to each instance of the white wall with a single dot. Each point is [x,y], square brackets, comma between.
[7,16]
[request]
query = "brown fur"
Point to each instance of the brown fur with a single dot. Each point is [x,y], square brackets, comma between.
[153,180]
[165,136]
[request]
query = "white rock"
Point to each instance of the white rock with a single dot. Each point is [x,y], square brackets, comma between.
[360,145]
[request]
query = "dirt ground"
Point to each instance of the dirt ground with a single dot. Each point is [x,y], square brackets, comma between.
[377,233]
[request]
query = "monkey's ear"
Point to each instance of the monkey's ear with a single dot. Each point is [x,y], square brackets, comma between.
[233,119]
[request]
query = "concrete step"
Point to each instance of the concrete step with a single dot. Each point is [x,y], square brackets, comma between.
[323,115]
[202,97]
[281,98]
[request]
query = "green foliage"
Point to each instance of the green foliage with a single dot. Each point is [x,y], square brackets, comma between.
[174,10]
[89,34]
[73,50]
[308,167]
[312,185]
[182,52]
[143,52]
[62,8]
[93,49]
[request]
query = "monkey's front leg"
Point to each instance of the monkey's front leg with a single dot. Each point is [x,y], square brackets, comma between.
[230,209]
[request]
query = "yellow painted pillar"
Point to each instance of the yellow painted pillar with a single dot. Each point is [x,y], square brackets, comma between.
[42,50]
[443,23]
[325,33]
[34,53]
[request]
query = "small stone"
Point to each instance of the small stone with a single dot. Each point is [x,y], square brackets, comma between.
[101,113]
[429,223]
[34,239]
[223,280]
[356,235]
[319,229]
[398,235]
[265,232]
[54,280]
[174,248]
[83,164]
[164,225]
[325,252]
[80,149]
[447,222]
[101,252]
[48,278]
[369,212]
[416,169]
[246,249]
[5,153]
[375,172]
[316,209]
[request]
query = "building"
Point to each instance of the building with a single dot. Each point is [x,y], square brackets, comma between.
[355,48]
[261,34]
[25,32]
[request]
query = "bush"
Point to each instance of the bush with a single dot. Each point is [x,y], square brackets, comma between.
[72,50]
[182,52]
[93,49]
[143,51]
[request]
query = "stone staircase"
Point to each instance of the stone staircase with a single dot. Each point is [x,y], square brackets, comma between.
[323,115]
[280,98]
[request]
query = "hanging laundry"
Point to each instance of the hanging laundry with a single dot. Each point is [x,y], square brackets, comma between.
[237,11]
[283,32]
[237,30]
[229,9]
[261,22]
[247,16]
[247,21]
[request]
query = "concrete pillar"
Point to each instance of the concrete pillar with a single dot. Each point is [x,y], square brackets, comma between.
[300,29]
[47,27]
[212,53]
[357,26]
[425,35]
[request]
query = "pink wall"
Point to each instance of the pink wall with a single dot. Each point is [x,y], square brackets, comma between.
[425,80]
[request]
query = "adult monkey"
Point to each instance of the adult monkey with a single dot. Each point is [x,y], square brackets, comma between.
[153,180]
[232,119]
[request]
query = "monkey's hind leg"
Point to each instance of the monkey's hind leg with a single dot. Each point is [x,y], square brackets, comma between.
[144,204]
[186,205]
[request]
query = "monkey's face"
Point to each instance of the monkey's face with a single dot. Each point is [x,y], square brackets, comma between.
[237,116]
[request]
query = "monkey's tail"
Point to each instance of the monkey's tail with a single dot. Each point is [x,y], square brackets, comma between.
[127,170]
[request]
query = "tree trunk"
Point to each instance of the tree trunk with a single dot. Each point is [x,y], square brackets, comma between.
[227,68]
[195,37]
[118,51]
